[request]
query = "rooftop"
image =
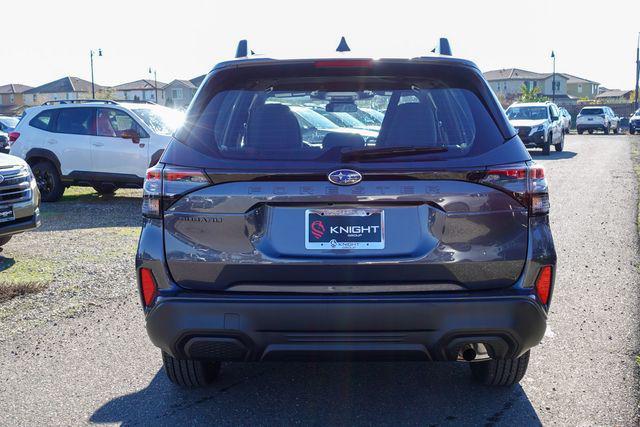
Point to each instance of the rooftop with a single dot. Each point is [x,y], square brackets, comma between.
[139,85]
[13,88]
[65,84]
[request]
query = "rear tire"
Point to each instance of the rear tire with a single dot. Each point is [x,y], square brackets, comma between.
[615,131]
[105,189]
[190,373]
[590,131]
[606,130]
[48,180]
[4,240]
[632,131]
[500,373]
[580,131]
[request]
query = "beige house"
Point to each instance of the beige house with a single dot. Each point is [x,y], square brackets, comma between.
[11,98]
[578,87]
[66,88]
[179,93]
[508,82]
[140,90]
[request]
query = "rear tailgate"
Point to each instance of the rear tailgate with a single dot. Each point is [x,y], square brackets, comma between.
[437,235]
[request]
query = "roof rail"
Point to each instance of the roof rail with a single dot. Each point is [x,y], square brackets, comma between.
[79,101]
[243,51]
[443,47]
[135,101]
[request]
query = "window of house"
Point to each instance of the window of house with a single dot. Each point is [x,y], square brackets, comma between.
[579,88]
[176,93]
[11,99]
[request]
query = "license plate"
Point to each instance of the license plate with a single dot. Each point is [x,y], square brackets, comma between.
[344,229]
[6,214]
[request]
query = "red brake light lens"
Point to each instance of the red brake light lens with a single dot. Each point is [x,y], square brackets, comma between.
[163,185]
[148,286]
[543,284]
[13,137]
[526,184]
[345,63]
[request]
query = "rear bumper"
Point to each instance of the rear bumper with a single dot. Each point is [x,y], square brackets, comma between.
[588,126]
[256,328]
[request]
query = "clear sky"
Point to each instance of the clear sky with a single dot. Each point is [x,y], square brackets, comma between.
[48,39]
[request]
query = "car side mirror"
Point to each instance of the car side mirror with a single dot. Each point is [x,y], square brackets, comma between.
[132,135]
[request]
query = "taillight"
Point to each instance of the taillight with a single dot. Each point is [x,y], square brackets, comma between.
[152,192]
[543,284]
[164,185]
[148,287]
[526,184]
[13,137]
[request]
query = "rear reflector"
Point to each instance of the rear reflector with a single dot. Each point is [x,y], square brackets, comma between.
[148,286]
[345,63]
[543,284]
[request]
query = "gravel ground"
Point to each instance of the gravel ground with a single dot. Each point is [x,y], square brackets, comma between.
[78,352]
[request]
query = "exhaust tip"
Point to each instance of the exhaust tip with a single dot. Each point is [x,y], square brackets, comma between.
[469,354]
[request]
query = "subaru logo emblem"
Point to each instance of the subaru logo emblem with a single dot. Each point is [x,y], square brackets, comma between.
[344,177]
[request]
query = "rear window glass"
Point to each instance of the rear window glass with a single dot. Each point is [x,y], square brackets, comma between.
[42,120]
[77,121]
[591,111]
[321,118]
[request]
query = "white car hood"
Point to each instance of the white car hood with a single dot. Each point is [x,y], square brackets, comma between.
[527,123]
[8,160]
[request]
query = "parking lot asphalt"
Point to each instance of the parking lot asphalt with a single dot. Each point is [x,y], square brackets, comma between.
[96,365]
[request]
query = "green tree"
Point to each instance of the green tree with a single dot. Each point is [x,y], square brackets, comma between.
[531,95]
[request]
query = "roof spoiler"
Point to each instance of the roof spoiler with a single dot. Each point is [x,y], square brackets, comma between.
[443,47]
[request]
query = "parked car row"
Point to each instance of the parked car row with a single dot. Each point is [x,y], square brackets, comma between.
[103,144]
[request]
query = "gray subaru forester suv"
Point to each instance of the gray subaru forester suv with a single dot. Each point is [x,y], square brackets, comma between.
[428,241]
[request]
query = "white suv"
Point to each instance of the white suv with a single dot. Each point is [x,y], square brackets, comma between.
[591,119]
[103,144]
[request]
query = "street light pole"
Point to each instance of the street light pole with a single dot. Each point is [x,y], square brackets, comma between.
[635,102]
[553,89]
[93,87]
[155,82]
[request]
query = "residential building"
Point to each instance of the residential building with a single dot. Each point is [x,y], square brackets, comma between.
[615,96]
[66,88]
[140,90]
[11,98]
[508,82]
[578,87]
[178,93]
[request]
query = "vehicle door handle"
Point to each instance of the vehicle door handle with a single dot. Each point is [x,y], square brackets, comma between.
[52,141]
[141,145]
[97,144]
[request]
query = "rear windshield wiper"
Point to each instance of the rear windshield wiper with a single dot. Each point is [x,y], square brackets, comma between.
[379,153]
